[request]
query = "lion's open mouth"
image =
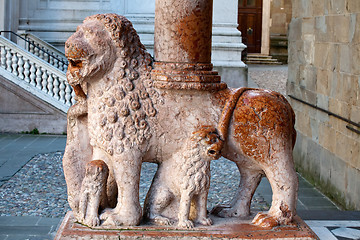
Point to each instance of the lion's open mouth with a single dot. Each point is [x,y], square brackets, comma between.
[213,153]
[75,63]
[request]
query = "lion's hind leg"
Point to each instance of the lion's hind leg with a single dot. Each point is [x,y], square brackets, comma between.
[93,192]
[240,205]
[158,199]
[284,183]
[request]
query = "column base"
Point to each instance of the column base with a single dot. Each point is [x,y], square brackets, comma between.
[186,76]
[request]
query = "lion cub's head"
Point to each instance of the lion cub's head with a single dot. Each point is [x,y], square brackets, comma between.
[209,141]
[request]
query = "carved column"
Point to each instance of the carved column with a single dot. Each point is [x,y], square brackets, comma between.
[182,47]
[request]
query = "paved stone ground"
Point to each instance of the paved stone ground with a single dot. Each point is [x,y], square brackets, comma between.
[33,190]
[269,77]
[39,188]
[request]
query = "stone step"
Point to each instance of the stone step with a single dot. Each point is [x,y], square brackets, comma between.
[258,56]
[261,59]
[263,62]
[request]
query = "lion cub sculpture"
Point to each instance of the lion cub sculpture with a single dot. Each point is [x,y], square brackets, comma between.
[187,187]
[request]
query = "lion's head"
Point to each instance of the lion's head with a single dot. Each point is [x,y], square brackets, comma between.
[93,49]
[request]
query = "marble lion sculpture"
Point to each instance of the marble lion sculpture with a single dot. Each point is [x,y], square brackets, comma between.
[121,120]
[172,193]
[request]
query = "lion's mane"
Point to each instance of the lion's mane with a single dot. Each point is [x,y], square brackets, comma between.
[123,105]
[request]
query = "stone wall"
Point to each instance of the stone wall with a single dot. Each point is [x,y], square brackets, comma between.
[324,60]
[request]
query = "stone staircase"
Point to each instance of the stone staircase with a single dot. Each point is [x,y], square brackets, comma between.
[36,69]
[261,59]
[33,87]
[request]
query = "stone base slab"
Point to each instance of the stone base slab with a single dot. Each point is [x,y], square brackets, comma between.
[222,228]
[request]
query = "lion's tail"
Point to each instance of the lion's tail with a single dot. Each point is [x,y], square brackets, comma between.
[224,122]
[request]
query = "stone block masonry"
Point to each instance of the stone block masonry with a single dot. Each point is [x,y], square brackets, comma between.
[324,59]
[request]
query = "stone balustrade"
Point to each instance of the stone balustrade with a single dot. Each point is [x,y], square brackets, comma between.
[46,51]
[36,75]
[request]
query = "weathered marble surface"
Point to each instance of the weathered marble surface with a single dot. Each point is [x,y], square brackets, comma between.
[121,120]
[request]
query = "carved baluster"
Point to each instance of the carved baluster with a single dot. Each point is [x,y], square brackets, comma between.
[68,95]
[38,77]
[41,53]
[20,66]
[44,80]
[36,51]
[27,71]
[31,47]
[56,88]
[46,56]
[56,63]
[8,59]
[62,91]
[2,56]
[32,74]
[14,64]
[62,66]
[51,60]
[73,101]
[50,85]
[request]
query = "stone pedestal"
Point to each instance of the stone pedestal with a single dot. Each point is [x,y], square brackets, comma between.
[229,228]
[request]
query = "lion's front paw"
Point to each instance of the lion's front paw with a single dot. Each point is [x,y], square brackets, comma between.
[205,221]
[92,221]
[226,211]
[186,224]
[265,220]
[111,217]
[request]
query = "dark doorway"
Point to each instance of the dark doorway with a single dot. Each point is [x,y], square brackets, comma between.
[250,24]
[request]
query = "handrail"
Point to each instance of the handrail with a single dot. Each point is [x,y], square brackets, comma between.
[40,49]
[45,45]
[330,114]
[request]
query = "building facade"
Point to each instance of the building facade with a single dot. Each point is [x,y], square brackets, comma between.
[324,86]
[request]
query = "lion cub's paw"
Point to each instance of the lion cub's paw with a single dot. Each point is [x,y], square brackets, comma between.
[186,224]
[160,220]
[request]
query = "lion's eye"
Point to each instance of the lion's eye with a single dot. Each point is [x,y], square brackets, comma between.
[212,139]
